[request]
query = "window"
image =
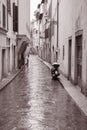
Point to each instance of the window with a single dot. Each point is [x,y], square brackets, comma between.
[4,16]
[0,18]
[46,33]
[36,31]
[43,1]
[15,18]
[9,6]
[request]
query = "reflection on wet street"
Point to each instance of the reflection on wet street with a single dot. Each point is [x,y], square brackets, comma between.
[35,102]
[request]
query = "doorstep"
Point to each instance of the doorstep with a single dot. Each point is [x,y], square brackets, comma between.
[5,81]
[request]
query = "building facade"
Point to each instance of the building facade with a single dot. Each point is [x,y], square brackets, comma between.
[3,31]
[7,38]
[73,41]
[23,37]
[54,31]
[12,45]
[44,30]
[35,35]
[24,17]
[63,38]
[48,29]
[11,35]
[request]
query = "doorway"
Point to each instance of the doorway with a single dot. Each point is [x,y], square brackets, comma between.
[69,58]
[3,63]
[13,57]
[78,73]
[56,56]
[8,59]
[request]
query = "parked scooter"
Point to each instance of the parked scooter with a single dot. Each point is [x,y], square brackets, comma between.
[55,70]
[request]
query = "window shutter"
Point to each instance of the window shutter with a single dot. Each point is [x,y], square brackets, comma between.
[4,16]
[15,18]
[9,6]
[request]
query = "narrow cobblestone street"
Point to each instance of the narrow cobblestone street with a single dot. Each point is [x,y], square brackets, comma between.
[33,101]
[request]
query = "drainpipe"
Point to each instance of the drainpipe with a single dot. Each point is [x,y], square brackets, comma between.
[57,23]
[57,26]
[39,33]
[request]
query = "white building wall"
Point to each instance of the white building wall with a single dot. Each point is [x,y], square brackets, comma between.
[72,18]
[54,31]
[65,31]
[12,36]
[48,4]
[24,17]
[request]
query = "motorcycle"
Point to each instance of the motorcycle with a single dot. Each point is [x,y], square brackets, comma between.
[55,70]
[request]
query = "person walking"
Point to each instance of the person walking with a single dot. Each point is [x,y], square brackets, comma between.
[27,60]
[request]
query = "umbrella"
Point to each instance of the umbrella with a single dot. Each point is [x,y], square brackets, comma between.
[23,44]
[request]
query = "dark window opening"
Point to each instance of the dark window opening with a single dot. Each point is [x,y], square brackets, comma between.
[4,16]
[36,31]
[43,1]
[15,18]
[9,6]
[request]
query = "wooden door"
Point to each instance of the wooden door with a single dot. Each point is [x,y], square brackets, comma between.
[69,60]
[79,59]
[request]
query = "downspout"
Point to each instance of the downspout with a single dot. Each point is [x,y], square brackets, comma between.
[57,29]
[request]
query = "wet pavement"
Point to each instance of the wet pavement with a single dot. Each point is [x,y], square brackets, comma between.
[32,101]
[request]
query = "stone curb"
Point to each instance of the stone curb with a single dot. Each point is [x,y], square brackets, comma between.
[76,95]
[8,80]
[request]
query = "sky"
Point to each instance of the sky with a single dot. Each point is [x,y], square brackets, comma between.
[33,7]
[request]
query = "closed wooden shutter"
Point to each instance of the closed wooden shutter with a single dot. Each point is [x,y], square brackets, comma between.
[9,6]
[4,16]
[15,18]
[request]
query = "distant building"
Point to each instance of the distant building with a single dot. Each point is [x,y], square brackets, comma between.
[42,27]
[35,35]
[48,19]
[54,31]
[63,38]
